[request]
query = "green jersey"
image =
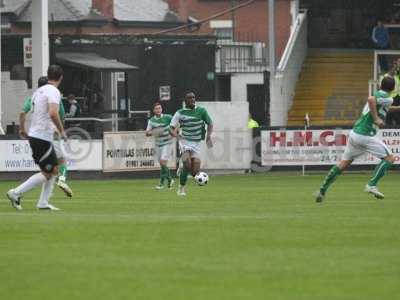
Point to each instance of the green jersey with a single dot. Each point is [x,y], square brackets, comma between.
[162,123]
[192,123]
[365,124]
[26,108]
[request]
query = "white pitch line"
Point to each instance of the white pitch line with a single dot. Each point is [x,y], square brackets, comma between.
[141,217]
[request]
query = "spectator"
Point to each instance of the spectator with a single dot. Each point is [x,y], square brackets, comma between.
[74,109]
[97,100]
[380,37]
[396,92]
[252,123]
[393,118]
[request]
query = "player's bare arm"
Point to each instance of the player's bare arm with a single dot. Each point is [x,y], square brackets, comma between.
[374,113]
[174,131]
[55,117]
[22,131]
[210,128]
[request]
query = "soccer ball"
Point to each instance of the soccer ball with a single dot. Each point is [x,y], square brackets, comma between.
[201,178]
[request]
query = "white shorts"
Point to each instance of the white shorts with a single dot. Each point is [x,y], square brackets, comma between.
[164,152]
[59,148]
[360,144]
[189,146]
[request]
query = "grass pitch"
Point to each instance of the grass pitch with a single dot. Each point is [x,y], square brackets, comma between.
[241,237]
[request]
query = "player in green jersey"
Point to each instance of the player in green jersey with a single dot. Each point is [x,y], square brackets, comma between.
[57,143]
[191,122]
[362,139]
[158,126]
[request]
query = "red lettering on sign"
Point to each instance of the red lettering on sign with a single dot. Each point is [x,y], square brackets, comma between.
[281,139]
[302,138]
[324,138]
[340,139]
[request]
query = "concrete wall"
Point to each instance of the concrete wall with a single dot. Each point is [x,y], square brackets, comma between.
[283,84]
[232,140]
[239,82]
[13,94]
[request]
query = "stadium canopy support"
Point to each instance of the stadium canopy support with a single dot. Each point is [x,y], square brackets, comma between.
[1,111]
[40,40]
[271,37]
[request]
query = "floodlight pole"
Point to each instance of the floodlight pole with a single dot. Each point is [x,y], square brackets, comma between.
[40,40]
[271,37]
[1,111]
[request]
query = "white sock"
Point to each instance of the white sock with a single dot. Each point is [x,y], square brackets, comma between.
[47,190]
[30,183]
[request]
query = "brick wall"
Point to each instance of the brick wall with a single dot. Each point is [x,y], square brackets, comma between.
[250,21]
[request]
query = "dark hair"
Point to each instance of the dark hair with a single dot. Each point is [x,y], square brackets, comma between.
[156,104]
[42,81]
[190,94]
[54,72]
[71,96]
[388,84]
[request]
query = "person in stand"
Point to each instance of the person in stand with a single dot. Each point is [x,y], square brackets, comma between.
[380,38]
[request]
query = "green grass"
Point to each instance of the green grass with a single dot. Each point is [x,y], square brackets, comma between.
[241,237]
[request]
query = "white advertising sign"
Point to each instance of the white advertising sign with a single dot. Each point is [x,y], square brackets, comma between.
[317,147]
[16,155]
[27,52]
[132,151]
[165,93]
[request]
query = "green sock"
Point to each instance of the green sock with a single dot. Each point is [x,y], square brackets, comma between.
[183,176]
[168,174]
[62,171]
[329,179]
[379,172]
[162,175]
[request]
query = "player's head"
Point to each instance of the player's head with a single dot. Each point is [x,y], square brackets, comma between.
[55,73]
[42,81]
[157,108]
[388,84]
[190,100]
[71,98]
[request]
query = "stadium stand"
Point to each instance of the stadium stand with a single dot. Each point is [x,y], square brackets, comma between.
[332,87]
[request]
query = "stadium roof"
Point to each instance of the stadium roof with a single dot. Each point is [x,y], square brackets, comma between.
[92,61]
[143,10]
[77,10]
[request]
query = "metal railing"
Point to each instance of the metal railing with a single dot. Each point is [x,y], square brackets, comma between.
[387,53]
[372,86]
[243,57]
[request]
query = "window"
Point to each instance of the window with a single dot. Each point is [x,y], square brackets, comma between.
[223,29]
[224,33]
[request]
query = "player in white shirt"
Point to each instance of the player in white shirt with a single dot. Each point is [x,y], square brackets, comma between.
[44,120]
